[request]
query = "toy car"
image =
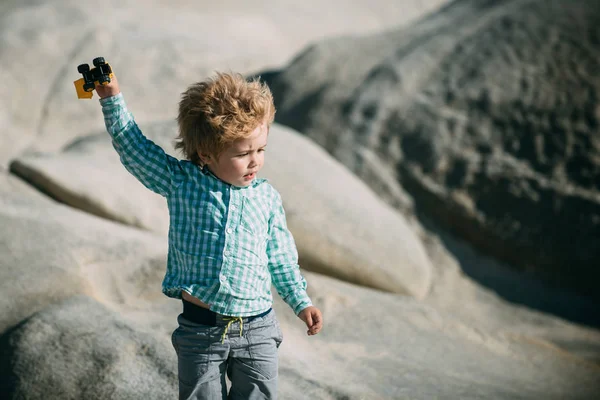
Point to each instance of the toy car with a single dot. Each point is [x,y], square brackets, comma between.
[101,74]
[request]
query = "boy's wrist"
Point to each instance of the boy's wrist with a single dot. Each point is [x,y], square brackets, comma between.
[302,306]
[111,99]
[107,96]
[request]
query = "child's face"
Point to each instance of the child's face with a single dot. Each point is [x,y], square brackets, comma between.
[240,162]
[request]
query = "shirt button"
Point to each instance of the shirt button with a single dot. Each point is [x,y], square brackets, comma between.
[229,230]
[223,278]
[226,252]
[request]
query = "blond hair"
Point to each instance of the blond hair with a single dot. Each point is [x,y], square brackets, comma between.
[216,112]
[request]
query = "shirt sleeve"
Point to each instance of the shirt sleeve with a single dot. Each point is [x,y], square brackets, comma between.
[283,262]
[140,156]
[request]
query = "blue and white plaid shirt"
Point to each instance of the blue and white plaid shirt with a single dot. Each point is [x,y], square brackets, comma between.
[226,243]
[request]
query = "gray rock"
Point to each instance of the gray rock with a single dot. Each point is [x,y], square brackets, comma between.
[51,252]
[79,349]
[56,343]
[486,112]
[340,226]
[391,342]
[81,302]
[156,50]
[88,175]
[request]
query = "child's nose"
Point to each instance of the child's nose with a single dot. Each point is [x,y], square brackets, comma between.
[253,161]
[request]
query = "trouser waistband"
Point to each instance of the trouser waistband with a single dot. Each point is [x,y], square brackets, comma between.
[204,316]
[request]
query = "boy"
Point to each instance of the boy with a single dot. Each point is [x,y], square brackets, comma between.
[228,238]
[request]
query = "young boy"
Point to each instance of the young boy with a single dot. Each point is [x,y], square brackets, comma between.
[228,238]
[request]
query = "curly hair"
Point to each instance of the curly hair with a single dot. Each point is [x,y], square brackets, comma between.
[216,112]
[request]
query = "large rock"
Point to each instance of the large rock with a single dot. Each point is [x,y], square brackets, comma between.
[79,349]
[157,50]
[462,341]
[471,361]
[486,112]
[88,175]
[340,226]
[83,316]
[51,252]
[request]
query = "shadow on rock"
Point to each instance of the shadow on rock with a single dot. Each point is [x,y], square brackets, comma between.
[516,286]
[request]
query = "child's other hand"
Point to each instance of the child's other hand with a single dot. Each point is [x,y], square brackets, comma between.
[312,318]
[112,89]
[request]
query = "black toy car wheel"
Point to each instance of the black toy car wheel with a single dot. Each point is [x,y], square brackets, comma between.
[88,87]
[98,61]
[83,68]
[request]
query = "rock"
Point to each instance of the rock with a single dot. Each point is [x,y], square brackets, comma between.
[482,292]
[486,113]
[42,42]
[106,329]
[79,349]
[340,226]
[81,305]
[88,175]
[51,252]
[406,337]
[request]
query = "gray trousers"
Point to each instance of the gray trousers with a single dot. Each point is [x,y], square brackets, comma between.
[250,360]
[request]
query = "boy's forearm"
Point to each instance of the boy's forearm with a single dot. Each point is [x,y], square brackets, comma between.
[299,301]
[140,156]
[116,115]
[292,291]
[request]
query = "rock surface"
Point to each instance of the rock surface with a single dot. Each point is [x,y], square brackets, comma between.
[51,252]
[486,112]
[340,226]
[82,312]
[78,349]
[109,334]
[157,49]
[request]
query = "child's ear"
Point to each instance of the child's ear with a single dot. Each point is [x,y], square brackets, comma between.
[205,158]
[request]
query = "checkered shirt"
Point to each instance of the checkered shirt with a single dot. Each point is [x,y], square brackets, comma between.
[227,244]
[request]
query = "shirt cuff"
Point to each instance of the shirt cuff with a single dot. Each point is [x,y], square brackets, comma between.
[116,116]
[299,301]
[117,98]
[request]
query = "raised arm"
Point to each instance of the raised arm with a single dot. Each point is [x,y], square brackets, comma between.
[141,157]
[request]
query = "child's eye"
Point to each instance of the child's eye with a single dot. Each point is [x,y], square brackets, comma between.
[242,155]
[261,150]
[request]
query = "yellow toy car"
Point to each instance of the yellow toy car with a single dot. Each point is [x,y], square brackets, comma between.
[101,74]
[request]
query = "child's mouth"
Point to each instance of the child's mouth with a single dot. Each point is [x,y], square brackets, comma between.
[250,176]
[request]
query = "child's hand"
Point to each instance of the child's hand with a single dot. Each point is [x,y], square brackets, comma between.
[312,318]
[112,89]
